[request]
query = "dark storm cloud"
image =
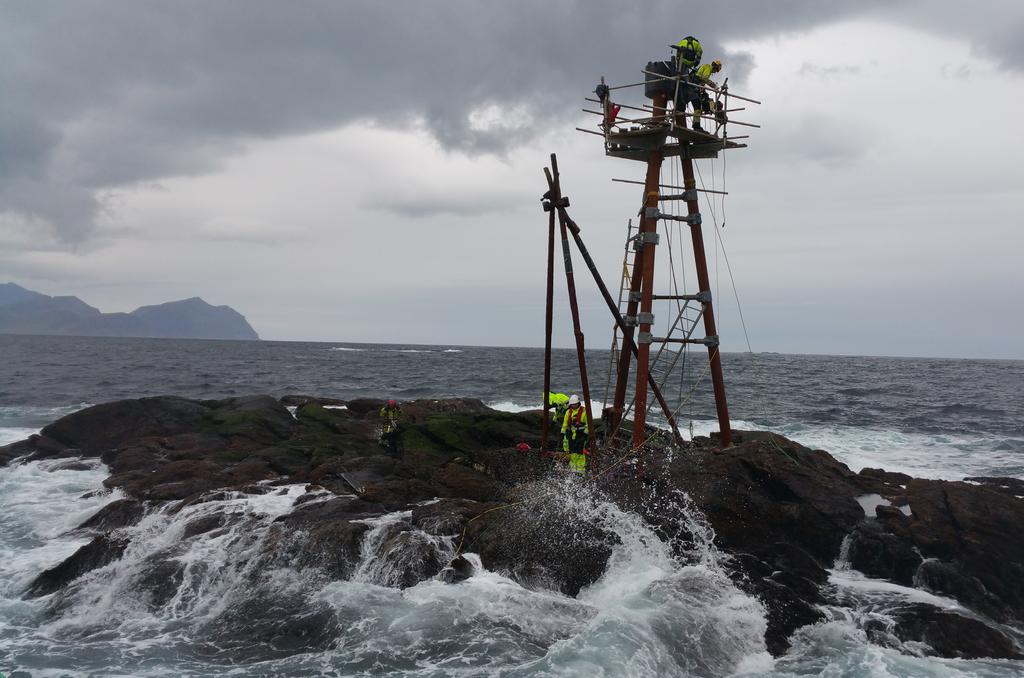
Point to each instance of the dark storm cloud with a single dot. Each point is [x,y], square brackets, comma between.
[105,94]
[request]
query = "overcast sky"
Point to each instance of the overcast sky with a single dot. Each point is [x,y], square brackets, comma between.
[371,171]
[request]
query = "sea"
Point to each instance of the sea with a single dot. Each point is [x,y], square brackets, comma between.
[651,614]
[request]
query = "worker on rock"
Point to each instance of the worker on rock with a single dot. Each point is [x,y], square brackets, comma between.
[558,403]
[574,435]
[390,414]
[702,101]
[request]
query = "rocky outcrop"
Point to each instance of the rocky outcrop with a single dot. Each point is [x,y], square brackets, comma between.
[779,513]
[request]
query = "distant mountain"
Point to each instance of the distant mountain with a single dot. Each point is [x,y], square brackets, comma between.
[23,311]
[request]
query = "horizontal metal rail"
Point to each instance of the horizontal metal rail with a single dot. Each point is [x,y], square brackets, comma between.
[678,188]
[647,109]
[694,84]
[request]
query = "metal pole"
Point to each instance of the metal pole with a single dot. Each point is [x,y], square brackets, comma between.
[574,308]
[704,286]
[651,184]
[548,318]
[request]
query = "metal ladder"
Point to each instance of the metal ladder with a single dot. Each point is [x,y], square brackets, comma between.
[625,283]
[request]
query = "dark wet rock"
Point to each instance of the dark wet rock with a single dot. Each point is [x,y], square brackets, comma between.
[977,530]
[762,493]
[456,480]
[949,579]
[187,478]
[268,626]
[459,569]
[410,557]
[204,524]
[73,465]
[540,544]
[889,478]
[117,514]
[296,400]
[953,635]
[785,608]
[779,510]
[258,418]
[160,581]
[1013,486]
[324,535]
[102,550]
[397,493]
[103,427]
[364,406]
[448,516]
[283,460]
[788,586]
[879,553]
[35,447]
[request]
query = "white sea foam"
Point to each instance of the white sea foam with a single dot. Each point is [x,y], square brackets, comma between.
[15,433]
[348,348]
[520,406]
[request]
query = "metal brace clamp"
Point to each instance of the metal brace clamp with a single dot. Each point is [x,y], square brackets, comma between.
[710,341]
[645,238]
[634,296]
[704,296]
[655,213]
[549,204]
[644,338]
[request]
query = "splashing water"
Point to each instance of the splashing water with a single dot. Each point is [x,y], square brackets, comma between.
[191,592]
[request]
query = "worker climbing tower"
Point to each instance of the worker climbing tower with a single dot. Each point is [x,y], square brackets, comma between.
[659,137]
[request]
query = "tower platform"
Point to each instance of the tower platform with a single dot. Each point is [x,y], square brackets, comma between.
[637,143]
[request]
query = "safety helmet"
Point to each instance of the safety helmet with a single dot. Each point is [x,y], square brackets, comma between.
[392,403]
[716,65]
[574,400]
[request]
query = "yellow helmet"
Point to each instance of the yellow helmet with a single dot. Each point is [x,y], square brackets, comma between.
[716,65]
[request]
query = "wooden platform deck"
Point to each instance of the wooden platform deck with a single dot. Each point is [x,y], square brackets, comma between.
[637,143]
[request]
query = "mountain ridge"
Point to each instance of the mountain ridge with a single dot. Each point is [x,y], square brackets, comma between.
[24,311]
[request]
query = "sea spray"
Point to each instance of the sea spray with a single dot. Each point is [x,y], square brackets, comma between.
[243,604]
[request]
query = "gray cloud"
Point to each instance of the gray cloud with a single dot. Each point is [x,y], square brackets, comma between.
[103,94]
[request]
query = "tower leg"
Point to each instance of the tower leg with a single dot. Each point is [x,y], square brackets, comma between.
[549,313]
[643,269]
[704,285]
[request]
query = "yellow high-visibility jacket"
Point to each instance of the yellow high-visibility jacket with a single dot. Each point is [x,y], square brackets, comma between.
[703,75]
[575,421]
[558,402]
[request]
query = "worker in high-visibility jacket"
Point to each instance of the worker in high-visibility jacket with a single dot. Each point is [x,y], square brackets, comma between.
[574,435]
[558,403]
[701,101]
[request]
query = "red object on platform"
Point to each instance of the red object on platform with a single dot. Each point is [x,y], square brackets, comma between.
[523,447]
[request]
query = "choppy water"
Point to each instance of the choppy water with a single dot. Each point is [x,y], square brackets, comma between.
[652,613]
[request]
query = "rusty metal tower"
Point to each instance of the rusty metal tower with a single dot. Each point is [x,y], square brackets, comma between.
[659,134]
[662,134]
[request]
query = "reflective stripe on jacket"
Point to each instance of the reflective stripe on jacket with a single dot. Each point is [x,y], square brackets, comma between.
[575,419]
